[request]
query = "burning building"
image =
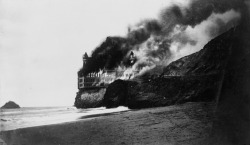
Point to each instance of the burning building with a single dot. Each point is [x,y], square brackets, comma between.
[180,30]
[105,76]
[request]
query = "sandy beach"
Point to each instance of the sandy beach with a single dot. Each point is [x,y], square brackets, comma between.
[186,124]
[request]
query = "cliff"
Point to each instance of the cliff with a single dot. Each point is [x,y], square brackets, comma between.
[10,105]
[196,77]
[232,123]
[89,98]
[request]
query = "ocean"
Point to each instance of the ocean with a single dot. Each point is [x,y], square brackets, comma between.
[11,119]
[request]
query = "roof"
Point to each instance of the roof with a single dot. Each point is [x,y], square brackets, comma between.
[85,56]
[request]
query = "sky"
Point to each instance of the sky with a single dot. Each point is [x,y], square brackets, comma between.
[42,43]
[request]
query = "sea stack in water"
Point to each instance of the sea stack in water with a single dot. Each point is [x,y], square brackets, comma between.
[10,105]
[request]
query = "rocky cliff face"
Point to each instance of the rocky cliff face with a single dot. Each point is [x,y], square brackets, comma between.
[90,98]
[210,60]
[196,77]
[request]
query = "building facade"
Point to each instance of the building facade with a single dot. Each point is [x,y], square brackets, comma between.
[104,77]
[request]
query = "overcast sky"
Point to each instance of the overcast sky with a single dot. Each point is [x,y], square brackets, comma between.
[42,42]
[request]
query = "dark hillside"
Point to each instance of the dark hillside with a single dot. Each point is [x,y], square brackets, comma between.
[196,77]
[210,60]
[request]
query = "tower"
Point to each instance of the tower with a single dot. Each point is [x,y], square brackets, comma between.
[85,58]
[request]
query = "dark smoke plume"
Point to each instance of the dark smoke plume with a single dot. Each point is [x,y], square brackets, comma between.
[143,31]
[108,55]
[196,12]
[114,50]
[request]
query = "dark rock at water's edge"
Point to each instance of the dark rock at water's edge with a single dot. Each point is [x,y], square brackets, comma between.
[89,98]
[194,78]
[10,105]
[117,93]
[161,91]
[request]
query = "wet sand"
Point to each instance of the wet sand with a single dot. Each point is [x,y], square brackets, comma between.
[186,124]
[39,116]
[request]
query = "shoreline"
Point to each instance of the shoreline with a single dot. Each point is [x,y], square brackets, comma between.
[188,123]
[18,119]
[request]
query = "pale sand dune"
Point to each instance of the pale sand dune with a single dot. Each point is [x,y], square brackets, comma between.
[189,123]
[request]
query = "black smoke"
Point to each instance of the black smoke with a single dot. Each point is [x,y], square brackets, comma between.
[108,55]
[112,52]
[196,12]
[143,31]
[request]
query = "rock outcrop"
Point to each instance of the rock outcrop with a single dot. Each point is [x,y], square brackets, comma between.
[116,95]
[162,91]
[196,77]
[90,98]
[10,105]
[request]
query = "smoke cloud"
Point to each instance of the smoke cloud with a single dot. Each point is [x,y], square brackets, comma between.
[180,30]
